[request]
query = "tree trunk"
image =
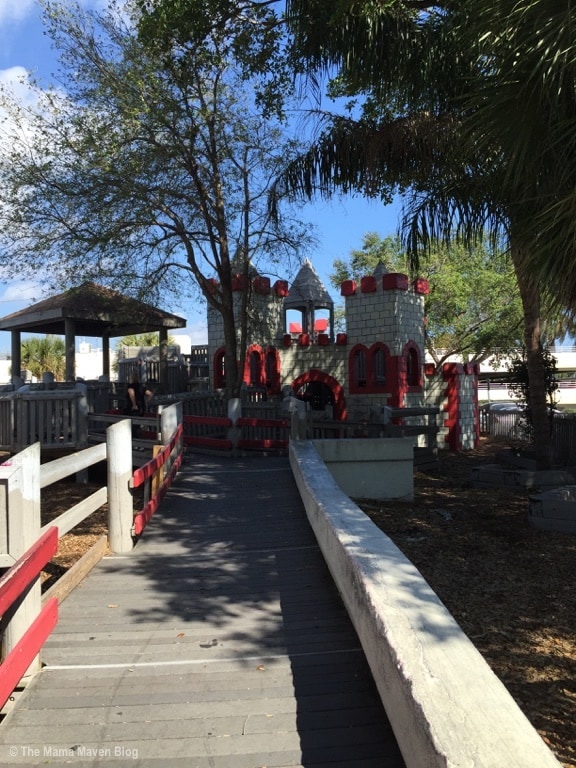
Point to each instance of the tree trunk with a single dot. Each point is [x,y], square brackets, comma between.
[231,363]
[530,294]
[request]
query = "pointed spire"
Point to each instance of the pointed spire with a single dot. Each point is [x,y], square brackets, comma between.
[380,270]
[308,288]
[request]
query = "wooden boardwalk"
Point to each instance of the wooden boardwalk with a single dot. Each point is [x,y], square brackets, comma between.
[220,642]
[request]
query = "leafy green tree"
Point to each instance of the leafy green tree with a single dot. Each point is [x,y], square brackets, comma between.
[528,110]
[152,171]
[44,355]
[520,386]
[473,307]
[425,74]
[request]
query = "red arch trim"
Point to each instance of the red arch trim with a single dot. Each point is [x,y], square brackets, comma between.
[337,390]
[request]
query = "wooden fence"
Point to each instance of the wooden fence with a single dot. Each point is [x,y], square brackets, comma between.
[26,547]
[513,426]
[564,438]
[55,418]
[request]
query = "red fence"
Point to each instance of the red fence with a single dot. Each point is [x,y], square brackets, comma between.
[208,432]
[218,433]
[263,434]
[12,585]
[170,458]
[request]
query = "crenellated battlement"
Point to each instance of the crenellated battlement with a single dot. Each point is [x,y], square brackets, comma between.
[391,281]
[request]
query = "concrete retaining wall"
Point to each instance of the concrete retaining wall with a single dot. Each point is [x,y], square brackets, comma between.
[446,706]
[371,468]
[554,510]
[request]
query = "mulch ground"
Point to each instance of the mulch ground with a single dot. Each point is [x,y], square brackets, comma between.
[511,588]
[56,500]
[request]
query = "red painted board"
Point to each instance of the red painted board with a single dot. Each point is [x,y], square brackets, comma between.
[27,568]
[19,659]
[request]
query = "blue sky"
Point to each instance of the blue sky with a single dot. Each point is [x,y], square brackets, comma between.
[339,224]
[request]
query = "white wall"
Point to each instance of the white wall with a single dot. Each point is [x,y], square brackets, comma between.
[5,367]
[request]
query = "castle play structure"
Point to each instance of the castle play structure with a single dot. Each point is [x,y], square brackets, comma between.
[379,361]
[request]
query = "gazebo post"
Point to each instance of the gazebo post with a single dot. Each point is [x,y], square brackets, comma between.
[15,338]
[70,342]
[106,355]
[163,349]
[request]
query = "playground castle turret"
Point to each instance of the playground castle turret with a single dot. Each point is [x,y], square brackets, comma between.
[385,339]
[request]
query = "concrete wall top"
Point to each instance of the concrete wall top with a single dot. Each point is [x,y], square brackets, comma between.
[446,706]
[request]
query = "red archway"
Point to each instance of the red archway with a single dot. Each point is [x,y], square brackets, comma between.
[314,376]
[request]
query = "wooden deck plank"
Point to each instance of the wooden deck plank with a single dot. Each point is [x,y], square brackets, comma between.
[338,707]
[220,642]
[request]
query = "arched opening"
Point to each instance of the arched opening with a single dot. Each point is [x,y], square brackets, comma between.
[413,373]
[357,369]
[379,355]
[220,369]
[255,369]
[319,389]
[272,371]
[254,366]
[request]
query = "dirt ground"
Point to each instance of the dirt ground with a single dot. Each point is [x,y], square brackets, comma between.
[510,587]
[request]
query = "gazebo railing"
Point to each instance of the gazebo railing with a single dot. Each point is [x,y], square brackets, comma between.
[54,418]
[7,420]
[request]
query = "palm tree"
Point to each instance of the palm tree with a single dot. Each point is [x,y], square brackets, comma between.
[44,355]
[149,339]
[426,74]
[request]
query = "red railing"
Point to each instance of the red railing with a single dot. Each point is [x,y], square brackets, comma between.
[263,434]
[151,468]
[12,585]
[208,432]
[215,433]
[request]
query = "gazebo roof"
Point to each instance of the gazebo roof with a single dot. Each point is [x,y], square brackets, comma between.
[95,311]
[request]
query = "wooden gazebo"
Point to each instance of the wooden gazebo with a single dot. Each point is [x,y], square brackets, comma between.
[90,310]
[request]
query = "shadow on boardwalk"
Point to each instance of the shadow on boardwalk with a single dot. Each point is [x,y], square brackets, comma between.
[219,642]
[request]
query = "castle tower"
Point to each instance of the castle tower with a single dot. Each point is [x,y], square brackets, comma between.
[385,337]
[266,330]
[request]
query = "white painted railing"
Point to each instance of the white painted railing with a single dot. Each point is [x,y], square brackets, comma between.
[22,478]
[53,418]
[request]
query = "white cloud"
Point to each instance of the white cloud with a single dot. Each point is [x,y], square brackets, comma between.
[18,10]
[15,10]
[23,292]
[197,333]
[17,81]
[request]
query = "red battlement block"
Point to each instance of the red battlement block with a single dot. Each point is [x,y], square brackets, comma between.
[348,288]
[421,286]
[281,288]
[261,285]
[368,284]
[395,281]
